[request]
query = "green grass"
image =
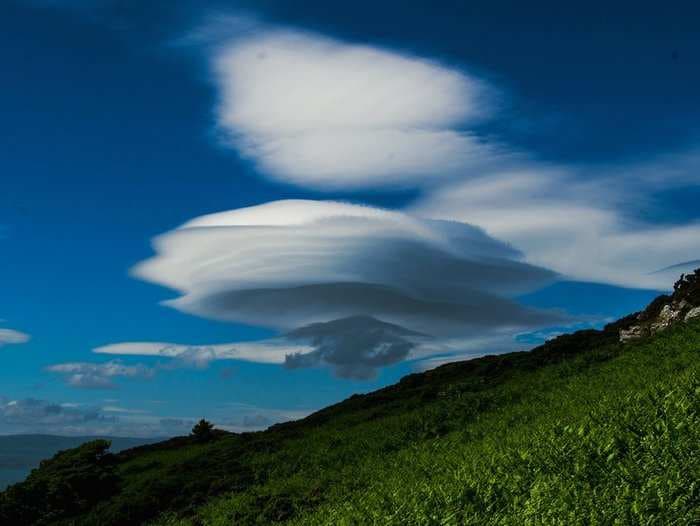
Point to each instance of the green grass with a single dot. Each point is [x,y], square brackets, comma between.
[610,436]
[580,431]
[615,446]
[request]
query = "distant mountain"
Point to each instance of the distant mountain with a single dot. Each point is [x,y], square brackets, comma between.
[594,427]
[19,454]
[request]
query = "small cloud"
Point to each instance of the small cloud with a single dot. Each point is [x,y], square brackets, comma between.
[98,375]
[200,356]
[12,337]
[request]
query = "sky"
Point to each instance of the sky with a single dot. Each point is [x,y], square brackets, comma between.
[249,210]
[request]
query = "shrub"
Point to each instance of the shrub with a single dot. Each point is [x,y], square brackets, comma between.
[203,431]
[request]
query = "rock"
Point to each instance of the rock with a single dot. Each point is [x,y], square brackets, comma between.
[692,313]
[666,317]
[664,311]
[632,333]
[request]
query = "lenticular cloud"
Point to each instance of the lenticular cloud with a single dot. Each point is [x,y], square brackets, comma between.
[319,112]
[288,265]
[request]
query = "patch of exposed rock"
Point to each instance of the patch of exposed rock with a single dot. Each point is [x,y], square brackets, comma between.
[692,313]
[682,306]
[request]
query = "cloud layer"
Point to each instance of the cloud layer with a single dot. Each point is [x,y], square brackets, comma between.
[31,415]
[350,286]
[319,112]
[40,415]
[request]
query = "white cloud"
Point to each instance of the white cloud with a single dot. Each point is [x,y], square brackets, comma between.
[584,227]
[354,347]
[327,114]
[267,351]
[98,375]
[319,112]
[12,337]
[290,263]
[351,286]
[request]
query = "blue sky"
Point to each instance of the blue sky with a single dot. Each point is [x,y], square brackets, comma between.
[465,178]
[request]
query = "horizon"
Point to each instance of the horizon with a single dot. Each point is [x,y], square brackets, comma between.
[247,211]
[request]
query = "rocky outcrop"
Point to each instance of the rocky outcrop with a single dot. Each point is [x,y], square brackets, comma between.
[692,313]
[682,306]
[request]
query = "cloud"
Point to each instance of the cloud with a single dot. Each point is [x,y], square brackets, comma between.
[30,414]
[326,114]
[12,337]
[98,375]
[319,112]
[273,350]
[349,286]
[287,264]
[355,347]
[562,218]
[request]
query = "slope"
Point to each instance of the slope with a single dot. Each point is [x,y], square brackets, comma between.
[582,430]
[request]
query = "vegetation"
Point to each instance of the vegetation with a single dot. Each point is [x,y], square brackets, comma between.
[583,430]
[68,484]
[19,454]
[203,431]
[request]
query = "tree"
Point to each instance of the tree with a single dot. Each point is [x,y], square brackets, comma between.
[203,431]
[71,482]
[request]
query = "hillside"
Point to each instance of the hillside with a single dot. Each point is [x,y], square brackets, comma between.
[19,454]
[585,429]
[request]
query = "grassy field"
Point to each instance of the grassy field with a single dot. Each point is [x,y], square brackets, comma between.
[582,430]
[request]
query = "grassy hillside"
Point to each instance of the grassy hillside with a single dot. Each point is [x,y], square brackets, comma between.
[582,430]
